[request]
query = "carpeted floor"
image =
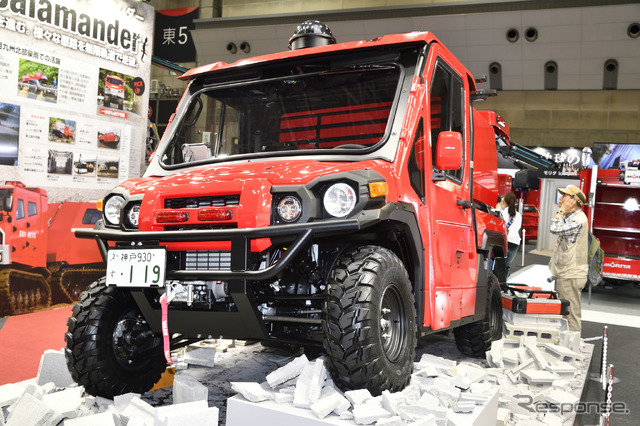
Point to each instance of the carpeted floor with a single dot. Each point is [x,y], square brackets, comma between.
[23,339]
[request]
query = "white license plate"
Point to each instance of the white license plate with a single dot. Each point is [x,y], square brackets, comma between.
[136,267]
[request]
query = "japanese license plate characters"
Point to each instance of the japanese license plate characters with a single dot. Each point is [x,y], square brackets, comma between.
[136,267]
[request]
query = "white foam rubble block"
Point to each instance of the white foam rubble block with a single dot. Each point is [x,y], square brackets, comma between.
[462,406]
[532,320]
[503,416]
[429,420]
[288,371]
[538,379]
[469,374]
[391,421]
[121,401]
[551,419]
[391,401]
[330,400]
[511,358]
[563,369]
[514,373]
[562,398]
[476,398]
[368,413]
[204,357]
[100,419]
[537,355]
[413,392]
[543,334]
[53,368]
[139,411]
[442,365]
[66,402]
[358,396]
[412,413]
[494,355]
[571,340]
[28,410]
[189,413]
[309,384]
[284,395]
[188,389]
[251,391]
[445,392]
[562,354]
[10,393]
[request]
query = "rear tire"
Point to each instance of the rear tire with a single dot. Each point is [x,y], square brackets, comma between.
[370,331]
[475,339]
[110,349]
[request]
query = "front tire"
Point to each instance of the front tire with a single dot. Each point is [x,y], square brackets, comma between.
[370,330]
[110,348]
[475,339]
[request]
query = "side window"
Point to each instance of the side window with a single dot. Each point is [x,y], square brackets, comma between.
[447,109]
[416,162]
[20,209]
[32,208]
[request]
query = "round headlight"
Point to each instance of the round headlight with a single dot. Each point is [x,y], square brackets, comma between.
[133,214]
[289,208]
[112,209]
[339,200]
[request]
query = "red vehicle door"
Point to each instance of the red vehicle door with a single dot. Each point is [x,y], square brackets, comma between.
[450,242]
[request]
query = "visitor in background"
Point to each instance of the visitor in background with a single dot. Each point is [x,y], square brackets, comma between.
[508,209]
[569,263]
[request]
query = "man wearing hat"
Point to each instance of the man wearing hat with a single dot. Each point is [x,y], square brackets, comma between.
[569,263]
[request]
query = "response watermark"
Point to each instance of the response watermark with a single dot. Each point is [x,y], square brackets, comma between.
[616,407]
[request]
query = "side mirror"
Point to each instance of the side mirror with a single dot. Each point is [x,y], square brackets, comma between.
[449,151]
[8,203]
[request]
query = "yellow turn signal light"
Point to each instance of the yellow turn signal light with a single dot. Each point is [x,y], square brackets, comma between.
[99,204]
[378,189]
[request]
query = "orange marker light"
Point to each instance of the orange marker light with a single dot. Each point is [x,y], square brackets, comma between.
[99,205]
[378,189]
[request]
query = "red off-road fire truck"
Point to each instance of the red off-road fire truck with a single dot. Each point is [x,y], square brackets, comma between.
[343,201]
[41,261]
[110,139]
[113,91]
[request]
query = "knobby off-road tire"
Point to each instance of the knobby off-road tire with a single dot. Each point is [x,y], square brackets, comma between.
[475,339]
[370,330]
[110,350]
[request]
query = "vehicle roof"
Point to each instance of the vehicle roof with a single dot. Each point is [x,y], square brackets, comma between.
[413,37]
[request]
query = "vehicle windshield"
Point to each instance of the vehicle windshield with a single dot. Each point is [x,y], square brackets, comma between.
[115,81]
[6,199]
[316,109]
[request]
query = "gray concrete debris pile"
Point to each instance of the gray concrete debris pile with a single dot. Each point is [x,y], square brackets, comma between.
[537,382]
[52,398]
[521,381]
[540,381]
[439,390]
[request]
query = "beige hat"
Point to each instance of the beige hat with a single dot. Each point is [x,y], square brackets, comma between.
[574,190]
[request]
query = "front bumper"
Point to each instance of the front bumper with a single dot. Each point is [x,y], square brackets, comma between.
[247,322]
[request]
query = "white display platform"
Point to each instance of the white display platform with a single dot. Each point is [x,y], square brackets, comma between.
[241,412]
[533,276]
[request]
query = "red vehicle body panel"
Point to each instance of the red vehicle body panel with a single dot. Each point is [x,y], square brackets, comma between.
[62,245]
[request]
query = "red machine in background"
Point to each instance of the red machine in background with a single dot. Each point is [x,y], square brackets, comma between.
[614,215]
[41,262]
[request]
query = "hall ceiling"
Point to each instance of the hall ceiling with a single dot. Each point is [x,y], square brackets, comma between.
[579,39]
